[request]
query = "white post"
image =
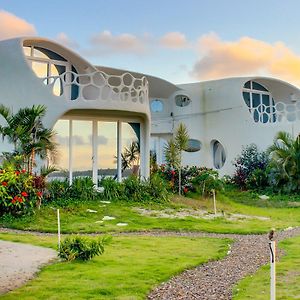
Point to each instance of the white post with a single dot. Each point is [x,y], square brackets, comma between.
[58,229]
[215,205]
[70,152]
[119,150]
[272,246]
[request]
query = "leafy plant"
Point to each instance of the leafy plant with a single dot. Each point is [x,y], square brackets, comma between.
[285,163]
[247,162]
[18,194]
[207,181]
[112,188]
[82,248]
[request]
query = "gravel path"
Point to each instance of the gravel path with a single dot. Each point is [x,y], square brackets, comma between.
[19,263]
[213,280]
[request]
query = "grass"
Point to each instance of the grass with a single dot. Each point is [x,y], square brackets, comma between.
[288,277]
[75,218]
[129,268]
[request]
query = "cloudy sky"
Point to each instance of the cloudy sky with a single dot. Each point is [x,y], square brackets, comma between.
[181,41]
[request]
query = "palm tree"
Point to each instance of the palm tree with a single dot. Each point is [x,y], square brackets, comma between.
[285,157]
[174,148]
[26,131]
[172,154]
[13,130]
[181,140]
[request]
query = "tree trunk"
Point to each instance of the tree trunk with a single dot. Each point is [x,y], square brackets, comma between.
[179,176]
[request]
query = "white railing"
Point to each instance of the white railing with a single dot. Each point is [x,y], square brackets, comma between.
[279,112]
[99,86]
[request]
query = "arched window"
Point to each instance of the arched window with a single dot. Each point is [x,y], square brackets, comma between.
[260,102]
[219,156]
[48,65]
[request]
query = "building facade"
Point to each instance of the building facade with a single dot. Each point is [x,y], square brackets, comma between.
[98,111]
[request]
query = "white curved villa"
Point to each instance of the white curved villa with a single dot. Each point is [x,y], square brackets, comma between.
[97,111]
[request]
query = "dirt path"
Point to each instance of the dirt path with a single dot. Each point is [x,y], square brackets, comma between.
[19,263]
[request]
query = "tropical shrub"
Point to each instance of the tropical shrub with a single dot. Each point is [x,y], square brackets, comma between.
[62,193]
[285,163]
[82,248]
[187,175]
[207,181]
[157,188]
[247,162]
[136,190]
[112,189]
[18,194]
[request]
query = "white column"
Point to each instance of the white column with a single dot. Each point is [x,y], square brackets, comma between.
[70,152]
[95,152]
[119,150]
[145,149]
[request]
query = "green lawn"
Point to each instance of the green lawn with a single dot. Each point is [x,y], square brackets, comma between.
[288,277]
[76,218]
[129,269]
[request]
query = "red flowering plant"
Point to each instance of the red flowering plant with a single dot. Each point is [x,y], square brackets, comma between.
[187,175]
[18,194]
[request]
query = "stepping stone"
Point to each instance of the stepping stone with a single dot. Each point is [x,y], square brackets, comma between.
[91,210]
[106,202]
[107,218]
[122,224]
[99,222]
[263,197]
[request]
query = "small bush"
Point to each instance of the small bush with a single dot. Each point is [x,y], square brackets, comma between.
[62,193]
[136,190]
[17,192]
[157,188]
[207,181]
[112,189]
[250,160]
[82,248]
[187,175]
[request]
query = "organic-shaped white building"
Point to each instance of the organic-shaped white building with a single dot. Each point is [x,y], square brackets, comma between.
[97,111]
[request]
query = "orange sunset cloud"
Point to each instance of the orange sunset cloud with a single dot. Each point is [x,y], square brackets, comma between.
[13,26]
[246,56]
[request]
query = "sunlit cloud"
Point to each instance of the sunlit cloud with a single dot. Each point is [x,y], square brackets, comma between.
[66,41]
[246,56]
[174,40]
[107,43]
[12,26]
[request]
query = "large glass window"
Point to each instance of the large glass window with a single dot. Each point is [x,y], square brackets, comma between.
[260,102]
[107,148]
[93,148]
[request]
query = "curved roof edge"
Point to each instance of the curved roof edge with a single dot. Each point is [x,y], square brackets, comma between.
[65,52]
[241,78]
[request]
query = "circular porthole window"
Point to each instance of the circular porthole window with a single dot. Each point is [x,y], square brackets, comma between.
[193,145]
[182,100]
[219,156]
[157,105]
